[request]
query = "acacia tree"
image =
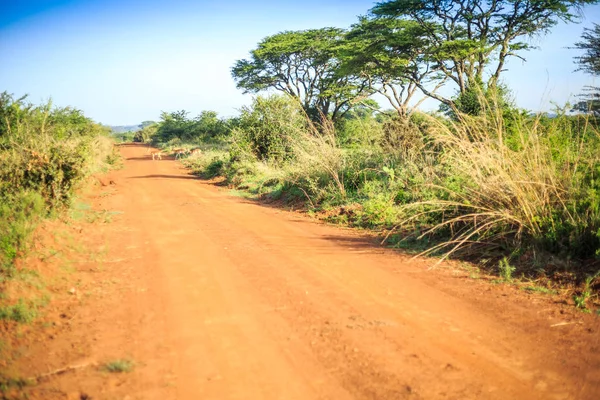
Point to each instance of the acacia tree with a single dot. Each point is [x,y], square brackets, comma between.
[388,53]
[470,41]
[589,62]
[305,65]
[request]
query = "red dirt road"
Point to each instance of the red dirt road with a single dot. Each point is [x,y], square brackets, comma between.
[215,297]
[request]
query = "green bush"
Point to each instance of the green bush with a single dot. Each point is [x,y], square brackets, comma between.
[45,153]
[268,128]
[177,125]
[357,131]
[21,312]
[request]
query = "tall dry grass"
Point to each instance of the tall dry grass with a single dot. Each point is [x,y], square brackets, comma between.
[524,180]
[317,158]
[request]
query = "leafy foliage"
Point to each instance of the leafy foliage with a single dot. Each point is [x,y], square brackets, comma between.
[304,65]
[267,129]
[590,43]
[177,125]
[465,39]
[388,53]
[45,153]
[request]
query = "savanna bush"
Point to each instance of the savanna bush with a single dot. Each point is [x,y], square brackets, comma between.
[268,129]
[177,125]
[359,131]
[45,153]
[402,135]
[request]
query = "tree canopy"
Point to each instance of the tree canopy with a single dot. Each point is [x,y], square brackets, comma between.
[388,53]
[470,41]
[305,65]
[406,50]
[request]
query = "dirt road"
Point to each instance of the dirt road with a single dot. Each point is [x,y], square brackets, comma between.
[215,297]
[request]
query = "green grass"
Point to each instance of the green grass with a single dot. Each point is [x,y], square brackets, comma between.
[581,299]
[539,289]
[81,211]
[506,270]
[118,366]
[23,311]
[412,244]
[10,383]
[243,194]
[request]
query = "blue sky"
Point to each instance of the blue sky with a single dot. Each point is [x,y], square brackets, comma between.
[123,62]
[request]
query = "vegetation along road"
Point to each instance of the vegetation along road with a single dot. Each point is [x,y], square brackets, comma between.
[222,298]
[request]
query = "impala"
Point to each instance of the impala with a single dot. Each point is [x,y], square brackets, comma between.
[180,152]
[156,154]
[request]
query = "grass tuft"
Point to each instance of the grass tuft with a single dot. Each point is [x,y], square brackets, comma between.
[118,366]
[21,312]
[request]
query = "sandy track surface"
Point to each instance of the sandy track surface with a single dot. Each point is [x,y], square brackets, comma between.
[215,297]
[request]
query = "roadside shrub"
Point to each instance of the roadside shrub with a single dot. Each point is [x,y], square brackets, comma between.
[379,208]
[51,173]
[318,163]
[268,128]
[177,125]
[358,132]
[45,153]
[402,135]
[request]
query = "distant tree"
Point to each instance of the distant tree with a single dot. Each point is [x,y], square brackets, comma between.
[177,125]
[304,65]
[137,137]
[208,124]
[174,125]
[591,101]
[145,134]
[470,41]
[589,62]
[146,123]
